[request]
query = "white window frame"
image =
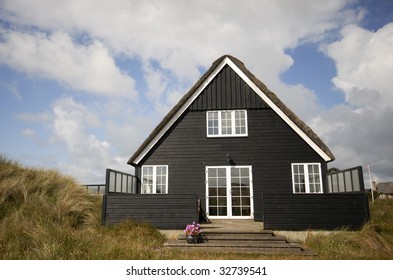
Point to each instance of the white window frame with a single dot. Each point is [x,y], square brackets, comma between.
[233,124]
[306,178]
[154,185]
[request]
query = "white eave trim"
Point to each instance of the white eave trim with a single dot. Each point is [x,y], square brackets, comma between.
[282,115]
[181,110]
[228,61]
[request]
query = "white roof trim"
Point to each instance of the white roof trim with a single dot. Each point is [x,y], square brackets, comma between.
[227,61]
[282,115]
[181,110]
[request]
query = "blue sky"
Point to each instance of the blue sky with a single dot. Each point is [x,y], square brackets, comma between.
[82,83]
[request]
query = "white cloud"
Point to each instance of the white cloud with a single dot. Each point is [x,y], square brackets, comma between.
[360,131]
[71,127]
[74,126]
[364,62]
[83,67]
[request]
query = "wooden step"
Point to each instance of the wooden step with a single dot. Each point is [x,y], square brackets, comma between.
[239,237]
[255,251]
[243,244]
[264,242]
[241,247]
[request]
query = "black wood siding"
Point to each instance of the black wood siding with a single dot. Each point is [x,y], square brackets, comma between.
[315,211]
[162,211]
[270,148]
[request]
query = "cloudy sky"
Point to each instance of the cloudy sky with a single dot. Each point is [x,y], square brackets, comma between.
[82,83]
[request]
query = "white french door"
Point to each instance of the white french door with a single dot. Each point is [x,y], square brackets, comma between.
[229,192]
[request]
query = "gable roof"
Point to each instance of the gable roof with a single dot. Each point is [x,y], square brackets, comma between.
[304,131]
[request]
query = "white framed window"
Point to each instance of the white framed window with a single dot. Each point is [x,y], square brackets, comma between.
[226,123]
[154,179]
[307,178]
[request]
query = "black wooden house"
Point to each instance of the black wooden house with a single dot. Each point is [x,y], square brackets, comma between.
[231,149]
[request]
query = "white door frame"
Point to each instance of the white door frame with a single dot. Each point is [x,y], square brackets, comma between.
[229,193]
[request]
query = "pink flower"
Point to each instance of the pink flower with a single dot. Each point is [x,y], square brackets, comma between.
[193,229]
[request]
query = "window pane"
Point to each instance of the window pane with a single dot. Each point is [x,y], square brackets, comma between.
[212,123]
[213,211]
[236,201]
[212,201]
[240,122]
[212,172]
[221,182]
[245,201]
[222,191]
[235,182]
[298,178]
[212,182]
[246,211]
[147,179]
[221,172]
[318,188]
[244,172]
[212,191]
[245,191]
[222,201]
[226,123]
[235,172]
[235,191]
[236,211]
[222,211]
[245,181]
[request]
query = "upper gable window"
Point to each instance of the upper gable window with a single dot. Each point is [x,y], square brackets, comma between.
[227,123]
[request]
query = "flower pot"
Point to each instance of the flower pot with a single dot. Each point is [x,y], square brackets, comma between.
[194,239]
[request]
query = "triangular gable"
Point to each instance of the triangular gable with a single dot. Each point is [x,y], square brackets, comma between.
[227,91]
[257,86]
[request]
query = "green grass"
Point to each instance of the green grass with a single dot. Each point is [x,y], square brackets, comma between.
[46,215]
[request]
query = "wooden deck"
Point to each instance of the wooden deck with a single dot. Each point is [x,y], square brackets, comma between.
[240,236]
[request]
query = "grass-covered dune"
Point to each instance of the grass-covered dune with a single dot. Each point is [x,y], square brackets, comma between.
[46,215]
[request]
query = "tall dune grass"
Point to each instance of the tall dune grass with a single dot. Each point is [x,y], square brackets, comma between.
[373,241]
[46,215]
